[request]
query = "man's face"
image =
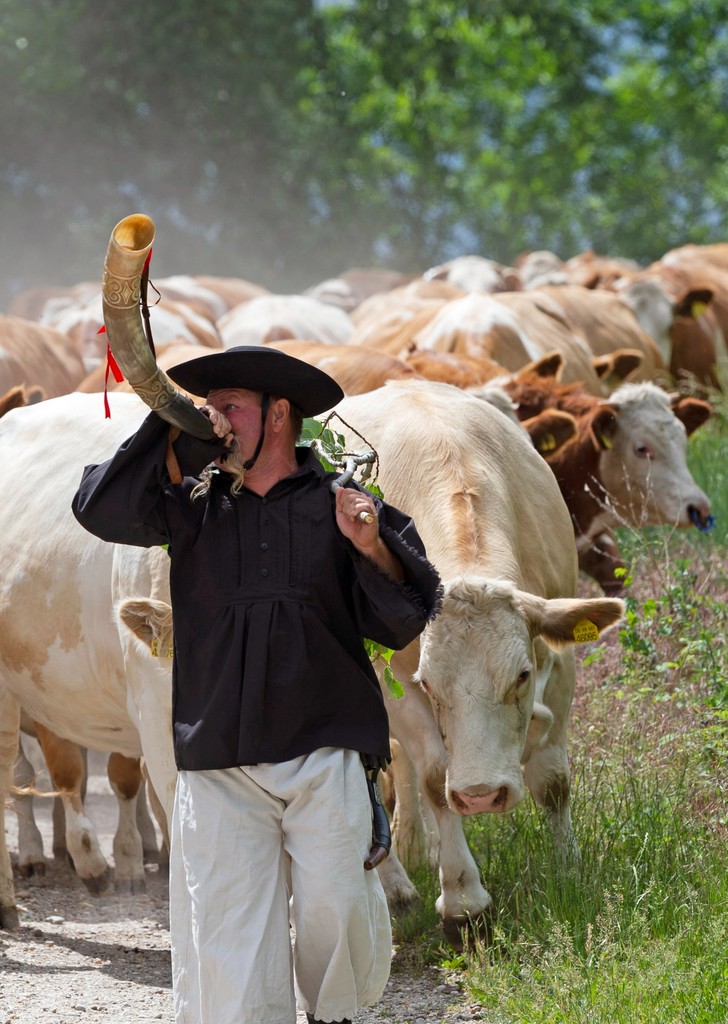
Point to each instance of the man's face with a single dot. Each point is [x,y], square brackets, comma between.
[242,409]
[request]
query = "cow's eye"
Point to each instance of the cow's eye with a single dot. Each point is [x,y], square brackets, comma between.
[523,678]
[425,686]
[643,451]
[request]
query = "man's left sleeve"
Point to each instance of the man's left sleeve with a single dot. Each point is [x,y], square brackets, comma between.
[394,612]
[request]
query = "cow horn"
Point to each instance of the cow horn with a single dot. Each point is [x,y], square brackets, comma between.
[129,247]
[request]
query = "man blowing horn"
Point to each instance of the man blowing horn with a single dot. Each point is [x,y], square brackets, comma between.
[274,581]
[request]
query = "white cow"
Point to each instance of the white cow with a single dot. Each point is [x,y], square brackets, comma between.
[78,671]
[490,683]
[62,654]
[475,274]
[276,317]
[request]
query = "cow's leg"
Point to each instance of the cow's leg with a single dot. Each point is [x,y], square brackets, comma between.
[414,829]
[463,901]
[145,824]
[31,860]
[548,778]
[159,816]
[66,769]
[9,740]
[547,771]
[463,904]
[125,778]
[60,847]
[399,889]
[601,560]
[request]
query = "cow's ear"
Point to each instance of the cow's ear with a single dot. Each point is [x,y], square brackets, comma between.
[692,412]
[551,429]
[614,368]
[146,618]
[512,279]
[549,365]
[564,621]
[437,274]
[14,398]
[603,426]
[135,616]
[693,302]
[590,279]
[34,394]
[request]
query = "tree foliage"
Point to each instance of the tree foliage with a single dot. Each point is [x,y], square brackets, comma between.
[289,140]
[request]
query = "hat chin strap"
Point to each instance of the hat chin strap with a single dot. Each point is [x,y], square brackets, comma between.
[249,463]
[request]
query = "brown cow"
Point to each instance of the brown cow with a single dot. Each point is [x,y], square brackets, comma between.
[35,355]
[356,368]
[167,355]
[387,321]
[686,312]
[462,371]
[510,328]
[625,466]
[608,325]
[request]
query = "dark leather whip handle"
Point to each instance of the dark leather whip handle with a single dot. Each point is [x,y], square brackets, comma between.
[381,832]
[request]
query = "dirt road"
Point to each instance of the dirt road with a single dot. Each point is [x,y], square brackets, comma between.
[106,959]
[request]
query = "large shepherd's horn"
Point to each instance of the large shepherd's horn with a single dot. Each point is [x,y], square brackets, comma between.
[129,247]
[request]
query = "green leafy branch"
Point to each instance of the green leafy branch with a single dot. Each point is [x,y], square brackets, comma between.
[377,652]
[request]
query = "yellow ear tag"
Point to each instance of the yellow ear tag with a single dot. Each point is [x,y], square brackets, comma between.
[585,631]
[548,443]
[155,649]
[606,442]
[698,308]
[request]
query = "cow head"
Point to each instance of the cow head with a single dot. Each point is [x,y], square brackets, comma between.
[644,469]
[484,664]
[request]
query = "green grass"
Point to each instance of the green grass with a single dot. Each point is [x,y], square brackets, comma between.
[638,932]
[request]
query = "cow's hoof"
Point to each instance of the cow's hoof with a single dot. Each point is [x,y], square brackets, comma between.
[37,869]
[97,885]
[130,887]
[9,918]
[462,930]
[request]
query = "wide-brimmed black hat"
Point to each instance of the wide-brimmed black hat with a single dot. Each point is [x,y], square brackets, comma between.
[259,368]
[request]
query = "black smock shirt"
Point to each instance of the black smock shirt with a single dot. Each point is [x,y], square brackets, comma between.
[270,601]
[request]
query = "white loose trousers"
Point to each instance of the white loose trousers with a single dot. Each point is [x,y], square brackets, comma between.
[243,841]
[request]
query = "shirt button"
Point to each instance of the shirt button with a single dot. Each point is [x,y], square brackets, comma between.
[264,546]
[264,572]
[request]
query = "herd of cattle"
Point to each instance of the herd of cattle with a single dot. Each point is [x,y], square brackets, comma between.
[519,414]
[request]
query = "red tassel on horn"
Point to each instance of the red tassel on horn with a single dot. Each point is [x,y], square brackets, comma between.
[113,366]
